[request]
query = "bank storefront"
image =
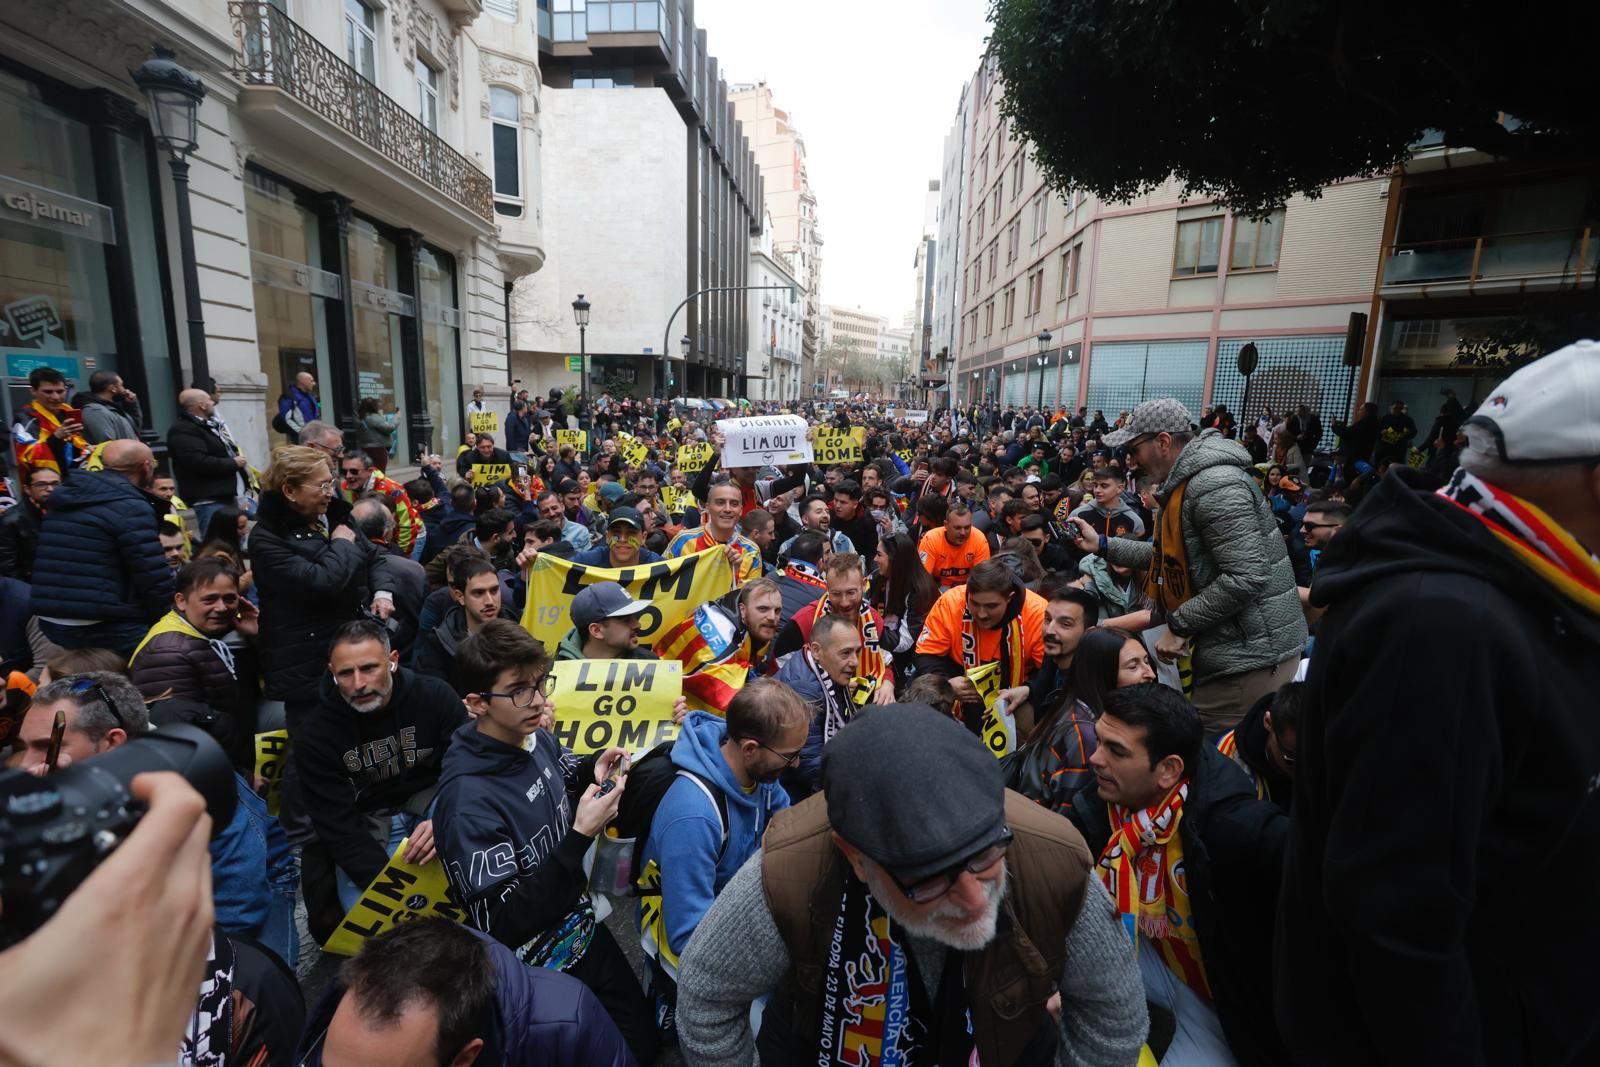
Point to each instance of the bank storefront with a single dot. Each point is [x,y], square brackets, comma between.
[82,269]
[369,310]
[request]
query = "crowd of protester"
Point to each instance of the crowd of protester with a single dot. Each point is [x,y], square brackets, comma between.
[1222,661]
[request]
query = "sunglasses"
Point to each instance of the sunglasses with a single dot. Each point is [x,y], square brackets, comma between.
[937,885]
[86,685]
[1320,525]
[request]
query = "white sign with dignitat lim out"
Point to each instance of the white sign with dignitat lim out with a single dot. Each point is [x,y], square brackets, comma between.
[764,440]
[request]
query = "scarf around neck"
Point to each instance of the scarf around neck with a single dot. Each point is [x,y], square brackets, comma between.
[1142,867]
[804,573]
[1536,540]
[1168,582]
[835,713]
[1012,668]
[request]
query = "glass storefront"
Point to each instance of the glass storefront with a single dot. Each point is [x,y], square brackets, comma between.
[1122,374]
[379,305]
[441,347]
[81,264]
[291,288]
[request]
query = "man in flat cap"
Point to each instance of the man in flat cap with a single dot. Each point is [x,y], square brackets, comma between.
[898,924]
[1217,568]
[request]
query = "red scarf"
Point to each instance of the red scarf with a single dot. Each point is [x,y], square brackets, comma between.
[1533,537]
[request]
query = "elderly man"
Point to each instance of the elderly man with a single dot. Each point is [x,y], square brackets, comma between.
[208,465]
[99,576]
[826,674]
[936,922]
[1445,774]
[1217,569]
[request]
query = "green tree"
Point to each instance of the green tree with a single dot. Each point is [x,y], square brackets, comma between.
[1253,102]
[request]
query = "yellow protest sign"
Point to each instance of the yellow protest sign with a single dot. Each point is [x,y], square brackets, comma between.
[483,421]
[488,473]
[623,702]
[401,892]
[836,446]
[633,450]
[676,500]
[272,749]
[999,729]
[578,439]
[905,454]
[675,588]
[693,457]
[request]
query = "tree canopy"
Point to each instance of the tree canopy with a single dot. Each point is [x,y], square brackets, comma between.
[1253,102]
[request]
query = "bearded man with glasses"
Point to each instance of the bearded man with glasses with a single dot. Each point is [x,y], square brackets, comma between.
[914,907]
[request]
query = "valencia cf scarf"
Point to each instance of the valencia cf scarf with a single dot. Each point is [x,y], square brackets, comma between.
[1142,868]
[875,1008]
[1013,671]
[804,573]
[874,661]
[1168,582]
[1536,540]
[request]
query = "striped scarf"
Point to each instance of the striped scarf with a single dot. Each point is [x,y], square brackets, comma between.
[1142,868]
[1012,668]
[1536,540]
[874,661]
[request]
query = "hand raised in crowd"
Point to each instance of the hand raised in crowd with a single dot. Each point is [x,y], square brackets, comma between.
[147,910]
[70,428]
[419,843]
[248,621]
[1083,535]
[680,709]
[526,557]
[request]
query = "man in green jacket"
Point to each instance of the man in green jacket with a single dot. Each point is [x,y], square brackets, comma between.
[1217,567]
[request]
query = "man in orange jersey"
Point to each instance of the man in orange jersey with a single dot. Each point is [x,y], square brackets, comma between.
[992,618]
[950,552]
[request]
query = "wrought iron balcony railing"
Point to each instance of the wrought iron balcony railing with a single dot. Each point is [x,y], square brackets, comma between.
[272,49]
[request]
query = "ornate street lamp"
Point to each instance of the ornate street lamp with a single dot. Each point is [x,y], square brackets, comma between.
[580,315]
[1044,360]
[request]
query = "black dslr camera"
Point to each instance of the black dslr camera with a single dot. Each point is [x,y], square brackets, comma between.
[55,830]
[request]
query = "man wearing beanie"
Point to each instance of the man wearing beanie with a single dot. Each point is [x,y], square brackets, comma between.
[894,924]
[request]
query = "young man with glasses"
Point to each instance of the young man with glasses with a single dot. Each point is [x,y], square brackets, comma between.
[711,819]
[886,894]
[516,812]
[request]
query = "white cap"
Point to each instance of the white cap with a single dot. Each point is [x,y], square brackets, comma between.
[1548,411]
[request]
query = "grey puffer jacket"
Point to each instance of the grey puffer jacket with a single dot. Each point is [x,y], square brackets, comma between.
[1246,612]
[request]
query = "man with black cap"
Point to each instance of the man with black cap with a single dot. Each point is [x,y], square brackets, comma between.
[895,923]
[1437,896]
[605,625]
[624,544]
[1217,569]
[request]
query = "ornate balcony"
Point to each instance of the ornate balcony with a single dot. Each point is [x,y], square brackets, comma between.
[272,50]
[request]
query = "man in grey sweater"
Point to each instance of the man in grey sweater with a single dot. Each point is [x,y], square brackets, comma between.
[884,915]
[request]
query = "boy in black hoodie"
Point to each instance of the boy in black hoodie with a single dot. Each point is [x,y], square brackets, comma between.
[370,755]
[515,815]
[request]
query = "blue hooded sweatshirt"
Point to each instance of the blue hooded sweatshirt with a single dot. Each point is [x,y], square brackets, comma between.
[687,828]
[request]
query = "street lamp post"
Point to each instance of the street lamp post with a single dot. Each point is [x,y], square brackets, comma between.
[173,94]
[580,315]
[1044,345]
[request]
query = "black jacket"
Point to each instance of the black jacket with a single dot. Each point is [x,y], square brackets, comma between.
[99,555]
[541,1016]
[399,748]
[309,585]
[435,653]
[1445,813]
[202,462]
[19,539]
[1232,855]
[500,800]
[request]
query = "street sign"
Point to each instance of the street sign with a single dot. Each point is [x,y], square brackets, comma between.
[575,364]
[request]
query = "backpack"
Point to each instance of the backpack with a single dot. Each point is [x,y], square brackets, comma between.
[278,422]
[648,781]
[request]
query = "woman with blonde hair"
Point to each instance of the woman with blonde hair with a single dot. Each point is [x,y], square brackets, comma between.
[313,571]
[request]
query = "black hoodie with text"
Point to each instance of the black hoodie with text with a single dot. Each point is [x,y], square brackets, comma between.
[1445,840]
[353,763]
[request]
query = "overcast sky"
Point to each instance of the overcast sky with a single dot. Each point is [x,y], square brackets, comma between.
[872,86]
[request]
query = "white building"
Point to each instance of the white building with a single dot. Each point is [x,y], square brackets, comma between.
[772,366]
[896,343]
[345,221]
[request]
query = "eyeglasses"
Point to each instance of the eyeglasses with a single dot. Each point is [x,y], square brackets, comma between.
[522,696]
[935,886]
[88,685]
[1320,525]
[789,758]
[321,487]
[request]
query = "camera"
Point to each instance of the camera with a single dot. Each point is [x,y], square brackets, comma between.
[55,830]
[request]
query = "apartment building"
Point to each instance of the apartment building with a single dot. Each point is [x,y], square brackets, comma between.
[852,327]
[772,366]
[651,196]
[780,153]
[1068,300]
[345,221]
[1474,247]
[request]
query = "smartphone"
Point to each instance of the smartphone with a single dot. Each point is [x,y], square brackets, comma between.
[619,767]
[58,731]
